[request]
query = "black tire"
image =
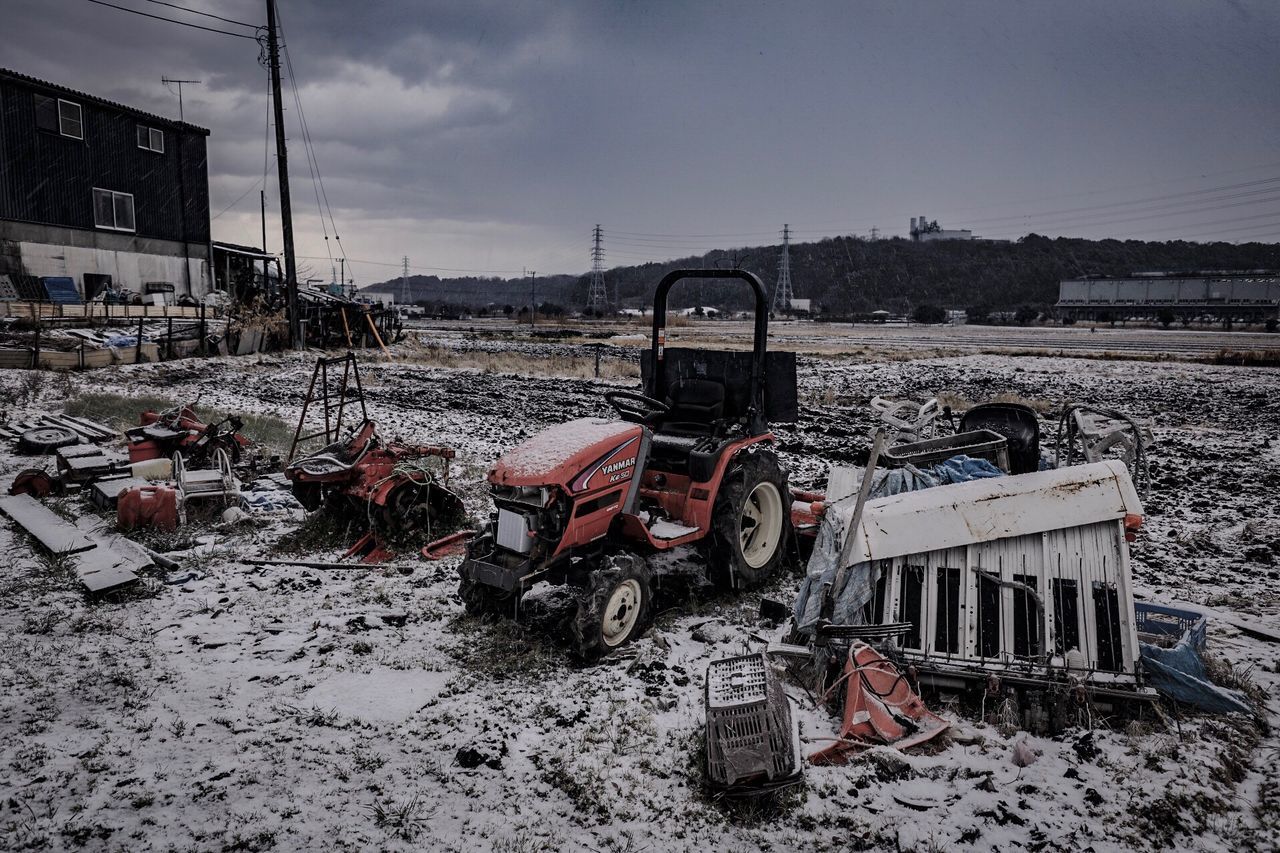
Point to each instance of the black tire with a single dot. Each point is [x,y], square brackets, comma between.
[47,438]
[310,495]
[752,475]
[613,608]
[483,600]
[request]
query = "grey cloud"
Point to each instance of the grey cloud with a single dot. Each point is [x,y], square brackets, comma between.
[533,121]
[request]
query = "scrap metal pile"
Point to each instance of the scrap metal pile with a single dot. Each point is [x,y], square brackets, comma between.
[147,478]
[963,564]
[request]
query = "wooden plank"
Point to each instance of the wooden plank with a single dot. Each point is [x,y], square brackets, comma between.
[78,429]
[49,529]
[15,358]
[102,570]
[94,427]
[98,358]
[59,360]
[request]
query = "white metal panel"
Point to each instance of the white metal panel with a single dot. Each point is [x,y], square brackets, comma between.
[513,531]
[1084,555]
[997,508]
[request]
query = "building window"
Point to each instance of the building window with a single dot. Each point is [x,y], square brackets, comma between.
[150,139]
[113,210]
[58,116]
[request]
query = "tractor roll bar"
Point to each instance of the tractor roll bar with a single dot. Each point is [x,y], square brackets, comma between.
[759,345]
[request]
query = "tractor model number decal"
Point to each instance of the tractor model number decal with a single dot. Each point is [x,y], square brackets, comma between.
[616,472]
[614,468]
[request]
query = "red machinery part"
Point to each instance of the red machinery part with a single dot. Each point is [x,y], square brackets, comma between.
[449,546]
[148,506]
[34,482]
[141,451]
[879,708]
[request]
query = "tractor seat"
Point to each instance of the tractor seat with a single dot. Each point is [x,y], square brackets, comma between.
[694,406]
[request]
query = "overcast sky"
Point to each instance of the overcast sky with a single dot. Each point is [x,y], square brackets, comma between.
[491,136]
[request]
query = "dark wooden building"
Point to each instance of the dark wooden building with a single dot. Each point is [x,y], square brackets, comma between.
[100,192]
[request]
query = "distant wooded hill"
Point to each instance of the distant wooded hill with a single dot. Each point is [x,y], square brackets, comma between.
[848,275]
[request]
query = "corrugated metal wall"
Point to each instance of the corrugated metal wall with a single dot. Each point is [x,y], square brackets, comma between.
[49,179]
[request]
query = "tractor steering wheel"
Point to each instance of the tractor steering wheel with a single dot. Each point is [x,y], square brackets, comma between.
[636,408]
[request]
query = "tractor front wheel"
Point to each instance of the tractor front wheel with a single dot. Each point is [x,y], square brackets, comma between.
[483,600]
[613,607]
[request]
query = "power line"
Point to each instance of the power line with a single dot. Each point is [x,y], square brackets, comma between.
[1097,223]
[205,14]
[239,199]
[309,145]
[739,234]
[1254,168]
[416,268]
[1150,200]
[172,21]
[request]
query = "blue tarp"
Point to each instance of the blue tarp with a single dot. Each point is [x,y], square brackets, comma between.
[859,580]
[1178,672]
[61,289]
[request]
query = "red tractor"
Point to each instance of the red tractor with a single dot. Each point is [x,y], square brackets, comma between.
[589,503]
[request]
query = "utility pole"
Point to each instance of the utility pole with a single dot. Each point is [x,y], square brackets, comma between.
[167,81]
[282,163]
[533,299]
[262,198]
[404,281]
[342,276]
[598,295]
[782,291]
[182,185]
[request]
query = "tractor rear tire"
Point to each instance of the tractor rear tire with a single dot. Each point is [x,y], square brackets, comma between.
[751,522]
[613,607]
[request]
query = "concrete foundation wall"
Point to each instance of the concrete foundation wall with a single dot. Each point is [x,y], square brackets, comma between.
[130,261]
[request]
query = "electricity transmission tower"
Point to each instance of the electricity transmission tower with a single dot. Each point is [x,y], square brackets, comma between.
[598,295]
[782,294]
[404,282]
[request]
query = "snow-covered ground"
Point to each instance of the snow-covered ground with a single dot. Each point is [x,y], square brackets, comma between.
[256,708]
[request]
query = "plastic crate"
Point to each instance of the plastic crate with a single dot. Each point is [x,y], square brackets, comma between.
[979,444]
[750,733]
[1165,626]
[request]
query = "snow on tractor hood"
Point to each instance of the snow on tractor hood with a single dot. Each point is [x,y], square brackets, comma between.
[567,454]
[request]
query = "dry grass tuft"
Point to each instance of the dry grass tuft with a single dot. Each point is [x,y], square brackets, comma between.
[121,412]
[521,364]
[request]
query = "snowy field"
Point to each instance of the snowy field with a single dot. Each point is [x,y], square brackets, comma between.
[834,338]
[281,708]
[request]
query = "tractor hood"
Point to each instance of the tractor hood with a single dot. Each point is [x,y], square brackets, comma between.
[579,455]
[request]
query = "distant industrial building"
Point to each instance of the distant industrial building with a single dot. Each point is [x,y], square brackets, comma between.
[924,231]
[101,193]
[1228,296]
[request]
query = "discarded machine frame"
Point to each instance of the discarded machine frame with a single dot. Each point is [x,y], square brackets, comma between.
[1019,582]
[399,490]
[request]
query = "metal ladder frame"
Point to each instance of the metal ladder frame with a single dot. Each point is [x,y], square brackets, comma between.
[332,423]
